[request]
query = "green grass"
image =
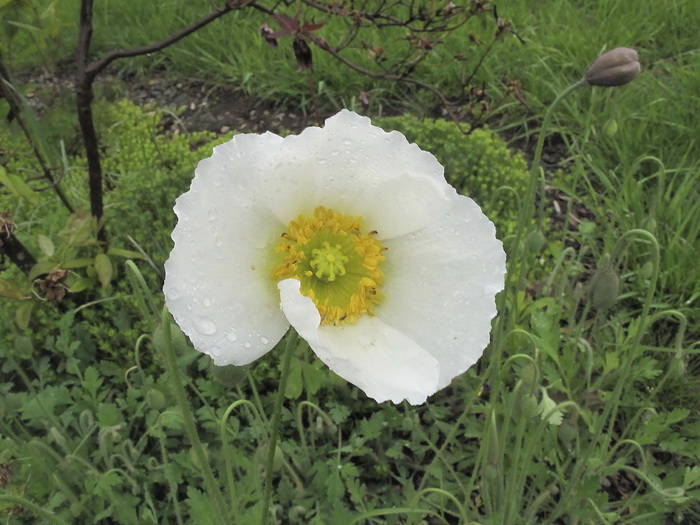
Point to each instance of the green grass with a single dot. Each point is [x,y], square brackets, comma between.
[578,413]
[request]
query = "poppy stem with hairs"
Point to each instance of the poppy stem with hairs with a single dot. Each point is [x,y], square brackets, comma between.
[212,488]
[527,209]
[291,343]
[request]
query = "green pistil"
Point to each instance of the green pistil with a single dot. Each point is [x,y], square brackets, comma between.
[328,262]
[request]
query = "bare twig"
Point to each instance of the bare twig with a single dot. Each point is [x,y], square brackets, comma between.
[392,78]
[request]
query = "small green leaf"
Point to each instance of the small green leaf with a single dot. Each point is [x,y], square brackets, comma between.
[313,378]
[587,227]
[23,314]
[612,362]
[10,288]
[92,381]
[79,284]
[294,383]
[17,187]
[24,347]
[45,245]
[40,268]
[77,263]
[103,267]
[108,415]
[127,254]
[548,409]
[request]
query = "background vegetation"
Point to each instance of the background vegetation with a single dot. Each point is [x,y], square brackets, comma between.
[584,410]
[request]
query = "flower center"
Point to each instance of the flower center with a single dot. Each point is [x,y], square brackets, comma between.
[328,261]
[336,264]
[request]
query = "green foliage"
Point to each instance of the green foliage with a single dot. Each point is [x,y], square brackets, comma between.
[478,163]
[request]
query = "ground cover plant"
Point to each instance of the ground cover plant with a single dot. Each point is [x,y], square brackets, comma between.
[583,409]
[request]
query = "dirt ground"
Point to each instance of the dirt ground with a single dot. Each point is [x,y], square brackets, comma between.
[217,109]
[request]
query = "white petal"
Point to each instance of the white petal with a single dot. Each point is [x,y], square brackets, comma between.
[440,287]
[359,170]
[217,283]
[377,358]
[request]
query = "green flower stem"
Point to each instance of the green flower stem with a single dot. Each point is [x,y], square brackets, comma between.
[172,484]
[529,203]
[223,431]
[290,347]
[174,371]
[518,255]
[300,426]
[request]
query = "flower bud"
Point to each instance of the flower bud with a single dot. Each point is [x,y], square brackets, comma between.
[529,375]
[604,288]
[535,241]
[647,270]
[155,399]
[610,128]
[614,68]
[649,224]
[567,433]
[677,368]
[528,406]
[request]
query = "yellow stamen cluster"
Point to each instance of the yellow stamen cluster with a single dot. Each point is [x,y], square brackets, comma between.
[337,265]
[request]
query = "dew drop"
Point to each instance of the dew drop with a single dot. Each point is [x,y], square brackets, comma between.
[218,241]
[172,293]
[247,344]
[231,336]
[205,326]
[212,214]
[215,351]
[264,340]
[206,302]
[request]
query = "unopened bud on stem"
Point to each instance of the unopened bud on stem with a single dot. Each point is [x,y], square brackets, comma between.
[614,68]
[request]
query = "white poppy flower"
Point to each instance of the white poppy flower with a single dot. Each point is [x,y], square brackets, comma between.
[351,235]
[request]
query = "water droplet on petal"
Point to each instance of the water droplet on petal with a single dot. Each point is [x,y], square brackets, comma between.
[231,336]
[215,351]
[218,241]
[205,326]
[247,344]
[172,292]
[206,302]
[212,214]
[264,340]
